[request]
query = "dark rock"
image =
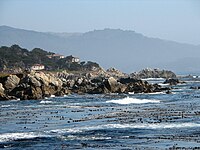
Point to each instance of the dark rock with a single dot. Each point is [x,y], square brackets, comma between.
[113,86]
[62,92]
[101,89]
[172,81]
[38,85]
[168,92]
[98,80]
[128,80]
[195,87]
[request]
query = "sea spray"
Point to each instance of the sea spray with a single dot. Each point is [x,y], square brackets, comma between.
[129,100]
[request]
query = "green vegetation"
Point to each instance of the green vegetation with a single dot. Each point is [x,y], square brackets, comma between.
[17,57]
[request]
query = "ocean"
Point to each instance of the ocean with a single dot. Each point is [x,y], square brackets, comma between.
[111,121]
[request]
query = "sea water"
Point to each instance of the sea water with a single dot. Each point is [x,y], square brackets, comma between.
[115,121]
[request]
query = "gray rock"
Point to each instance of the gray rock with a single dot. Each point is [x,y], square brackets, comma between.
[113,86]
[112,72]
[153,73]
[34,81]
[2,94]
[1,88]
[173,81]
[11,82]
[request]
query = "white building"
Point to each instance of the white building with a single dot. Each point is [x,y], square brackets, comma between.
[72,59]
[37,67]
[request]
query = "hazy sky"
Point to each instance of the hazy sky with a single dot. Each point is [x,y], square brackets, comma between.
[177,20]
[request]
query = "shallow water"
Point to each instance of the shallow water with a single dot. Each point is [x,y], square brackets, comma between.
[135,121]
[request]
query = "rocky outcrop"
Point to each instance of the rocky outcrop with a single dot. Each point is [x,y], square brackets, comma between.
[34,85]
[112,72]
[139,86]
[38,85]
[153,73]
[113,86]
[173,81]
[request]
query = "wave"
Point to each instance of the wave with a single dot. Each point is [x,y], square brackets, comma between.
[155,93]
[153,126]
[19,136]
[5,106]
[124,126]
[6,137]
[163,84]
[62,131]
[155,79]
[73,137]
[128,100]
[46,102]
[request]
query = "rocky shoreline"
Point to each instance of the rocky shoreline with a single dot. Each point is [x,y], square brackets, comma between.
[39,84]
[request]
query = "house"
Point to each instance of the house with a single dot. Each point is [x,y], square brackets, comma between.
[37,67]
[56,56]
[72,59]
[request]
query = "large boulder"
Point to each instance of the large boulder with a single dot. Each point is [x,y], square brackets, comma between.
[3,95]
[172,81]
[11,82]
[113,86]
[37,85]
[139,86]
[33,81]
[128,80]
[98,80]
[48,78]
[50,83]
[100,89]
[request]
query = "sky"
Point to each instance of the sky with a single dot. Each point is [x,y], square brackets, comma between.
[177,20]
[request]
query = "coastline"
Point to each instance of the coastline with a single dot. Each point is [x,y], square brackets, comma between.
[42,84]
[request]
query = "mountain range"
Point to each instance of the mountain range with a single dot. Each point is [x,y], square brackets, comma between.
[126,50]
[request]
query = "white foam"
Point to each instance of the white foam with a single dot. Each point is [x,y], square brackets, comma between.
[52,96]
[128,100]
[155,93]
[5,106]
[124,126]
[153,125]
[68,130]
[46,102]
[131,93]
[72,137]
[17,136]
[154,79]
[163,84]
[14,100]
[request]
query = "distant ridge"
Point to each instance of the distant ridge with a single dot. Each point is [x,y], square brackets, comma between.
[126,50]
